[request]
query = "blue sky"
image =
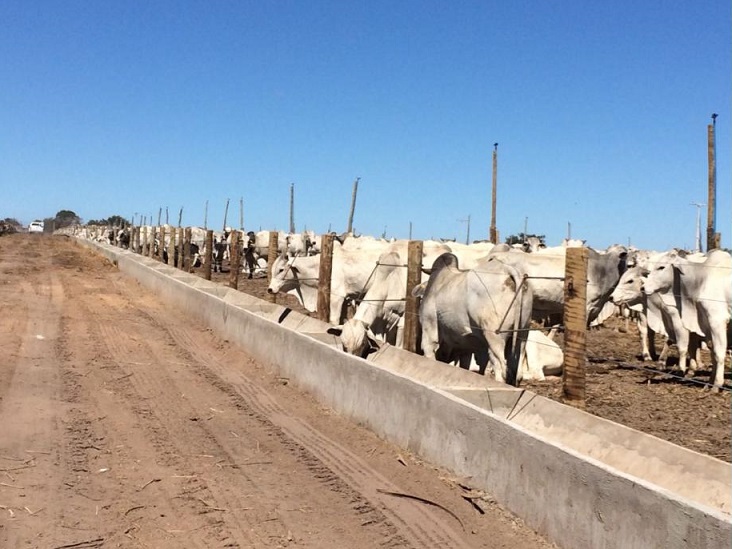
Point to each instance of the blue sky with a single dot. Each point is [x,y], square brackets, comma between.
[600,110]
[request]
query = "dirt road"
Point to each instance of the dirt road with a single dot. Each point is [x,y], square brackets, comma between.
[126,424]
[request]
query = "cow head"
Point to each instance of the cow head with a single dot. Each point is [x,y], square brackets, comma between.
[356,338]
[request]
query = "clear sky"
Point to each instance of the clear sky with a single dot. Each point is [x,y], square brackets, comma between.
[600,109]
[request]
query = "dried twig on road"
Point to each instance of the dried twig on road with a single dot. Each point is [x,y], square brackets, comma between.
[88,543]
[19,467]
[136,507]
[423,500]
[11,486]
[207,504]
[148,483]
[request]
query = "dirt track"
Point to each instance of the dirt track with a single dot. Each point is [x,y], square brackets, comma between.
[125,424]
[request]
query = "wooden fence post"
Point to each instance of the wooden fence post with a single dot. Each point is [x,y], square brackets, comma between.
[172,246]
[272,254]
[412,330]
[187,251]
[326,270]
[151,248]
[234,260]
[575,326]
[161,248]
[143,246]
[181,247]
[208,257]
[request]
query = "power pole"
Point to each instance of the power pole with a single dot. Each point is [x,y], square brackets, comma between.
[353,205]
[713,238]
[180,216]
[526,227]
[698,239]
[205,216]
[466,220]
[493,231]
[241,213]
[226,214]
[292,208]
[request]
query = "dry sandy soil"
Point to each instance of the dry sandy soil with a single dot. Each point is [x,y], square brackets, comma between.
[126,424]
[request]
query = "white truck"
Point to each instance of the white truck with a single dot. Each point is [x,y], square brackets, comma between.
[36,226]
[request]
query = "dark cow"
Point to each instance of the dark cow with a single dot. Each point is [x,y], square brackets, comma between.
[218,252]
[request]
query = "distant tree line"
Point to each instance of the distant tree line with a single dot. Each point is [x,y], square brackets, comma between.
[112,220]
[520,238]
[9,225]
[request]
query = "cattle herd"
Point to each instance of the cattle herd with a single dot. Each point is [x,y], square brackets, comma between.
[490,308]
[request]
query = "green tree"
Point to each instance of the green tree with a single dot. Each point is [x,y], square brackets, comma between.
[9,225]
[63,218]
[112,220]
[521,238]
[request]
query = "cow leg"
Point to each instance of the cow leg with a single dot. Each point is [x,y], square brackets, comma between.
[718,348]
[430,340]
[682,344]
[646,338]
[497,353]
[695,346]
[336,309]
[664,355]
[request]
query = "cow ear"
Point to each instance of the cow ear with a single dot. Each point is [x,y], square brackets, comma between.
[418,290]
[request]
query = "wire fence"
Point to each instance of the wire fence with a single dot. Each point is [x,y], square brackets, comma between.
[553,260]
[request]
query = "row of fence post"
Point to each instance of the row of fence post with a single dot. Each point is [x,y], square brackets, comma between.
[575,292]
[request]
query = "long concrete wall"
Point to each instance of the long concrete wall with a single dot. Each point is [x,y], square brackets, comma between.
[579,480]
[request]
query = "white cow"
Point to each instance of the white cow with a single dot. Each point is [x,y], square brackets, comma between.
[546,270]
[380,310]
[657,314]
[703,296]
[352,276]
[467,312]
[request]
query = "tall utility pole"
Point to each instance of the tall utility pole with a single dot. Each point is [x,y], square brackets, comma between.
[205,216]
[349,229]
[466,220]
[713,237]
[292,208]
[241,213]
[698,239]
[493,237]
[226,214]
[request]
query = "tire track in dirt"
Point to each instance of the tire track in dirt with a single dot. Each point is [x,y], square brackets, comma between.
[158,387]
[330,462]
[151,439]
[98,433]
